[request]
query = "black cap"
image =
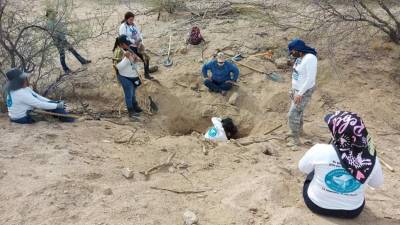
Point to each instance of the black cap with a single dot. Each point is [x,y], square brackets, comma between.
[123,39]
[16,73]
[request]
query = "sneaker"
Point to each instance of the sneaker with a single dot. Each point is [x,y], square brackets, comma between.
[293,142]
[132,113]
[86,62]
[137,109]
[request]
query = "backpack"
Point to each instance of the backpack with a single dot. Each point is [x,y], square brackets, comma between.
[195,36]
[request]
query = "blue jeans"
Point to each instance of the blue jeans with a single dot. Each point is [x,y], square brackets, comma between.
[129,90]
[28,119]
[217,86]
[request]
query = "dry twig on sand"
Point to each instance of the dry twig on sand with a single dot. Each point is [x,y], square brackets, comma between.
[245,143]
[276,128]
[177,191]
[157,167]
[386,165]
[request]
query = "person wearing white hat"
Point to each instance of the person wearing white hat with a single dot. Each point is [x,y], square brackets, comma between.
[21,99]
[221,79]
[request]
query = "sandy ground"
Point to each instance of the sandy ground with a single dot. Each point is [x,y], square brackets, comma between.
[52,173]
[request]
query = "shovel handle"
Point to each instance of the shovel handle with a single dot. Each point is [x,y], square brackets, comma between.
[169,45]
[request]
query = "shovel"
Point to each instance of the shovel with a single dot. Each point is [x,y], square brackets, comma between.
[168,62]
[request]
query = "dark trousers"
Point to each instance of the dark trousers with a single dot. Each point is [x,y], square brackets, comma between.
[29,120]
[217,86]
[345,214]
[129,90]
[64,45]
[145,60]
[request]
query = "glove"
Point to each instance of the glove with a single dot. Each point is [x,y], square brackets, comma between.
[60,105]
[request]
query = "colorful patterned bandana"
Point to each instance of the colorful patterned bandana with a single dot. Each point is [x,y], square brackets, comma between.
[353,145]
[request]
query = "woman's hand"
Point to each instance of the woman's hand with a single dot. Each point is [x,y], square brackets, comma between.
[127,54]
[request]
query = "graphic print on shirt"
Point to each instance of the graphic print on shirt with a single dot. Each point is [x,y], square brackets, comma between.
[295,74]
[9,100]
[133,31]
[339,180]
[212,132]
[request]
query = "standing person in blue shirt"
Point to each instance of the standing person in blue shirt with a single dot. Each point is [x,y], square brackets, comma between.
[220,80]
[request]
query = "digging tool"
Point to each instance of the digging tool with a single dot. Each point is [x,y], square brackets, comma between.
[56,114]
[153,106]
[267,54]
[272,76]
[168,62]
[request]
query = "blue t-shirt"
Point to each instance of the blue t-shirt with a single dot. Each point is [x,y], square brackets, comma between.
[221,73]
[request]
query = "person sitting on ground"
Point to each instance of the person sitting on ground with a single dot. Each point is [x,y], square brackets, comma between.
[223,130]
[339,172]
[58,34]
[125,65]
[129,28]
[194,37]
[220,80]
[21,99]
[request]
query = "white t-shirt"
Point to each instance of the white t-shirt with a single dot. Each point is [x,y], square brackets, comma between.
[24,99]
[126,68]
[304,73]
[217,132]
[132,32]
[332,186]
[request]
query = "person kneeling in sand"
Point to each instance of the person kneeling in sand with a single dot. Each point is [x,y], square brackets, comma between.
[223,129]
[220,79]
[21,99]
[338,173]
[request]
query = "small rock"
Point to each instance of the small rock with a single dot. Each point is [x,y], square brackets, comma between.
[190,218]
[233,99]
[171,169]
[164,150]
[4,172]
[253,210]
[127,173]
[236,160]
[108,191]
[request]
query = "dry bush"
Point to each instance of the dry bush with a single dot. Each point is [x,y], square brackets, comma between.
[170,6]
[339,19]
[27,43]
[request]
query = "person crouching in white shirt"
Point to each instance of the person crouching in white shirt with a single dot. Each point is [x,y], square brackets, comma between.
[21,99]
[338,173]
[303,85]
[222,130]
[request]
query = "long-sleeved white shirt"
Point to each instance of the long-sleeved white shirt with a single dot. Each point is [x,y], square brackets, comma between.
[132,32]
[19,102]
[126,68]
[217,132]
[332,186]
[304,73]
